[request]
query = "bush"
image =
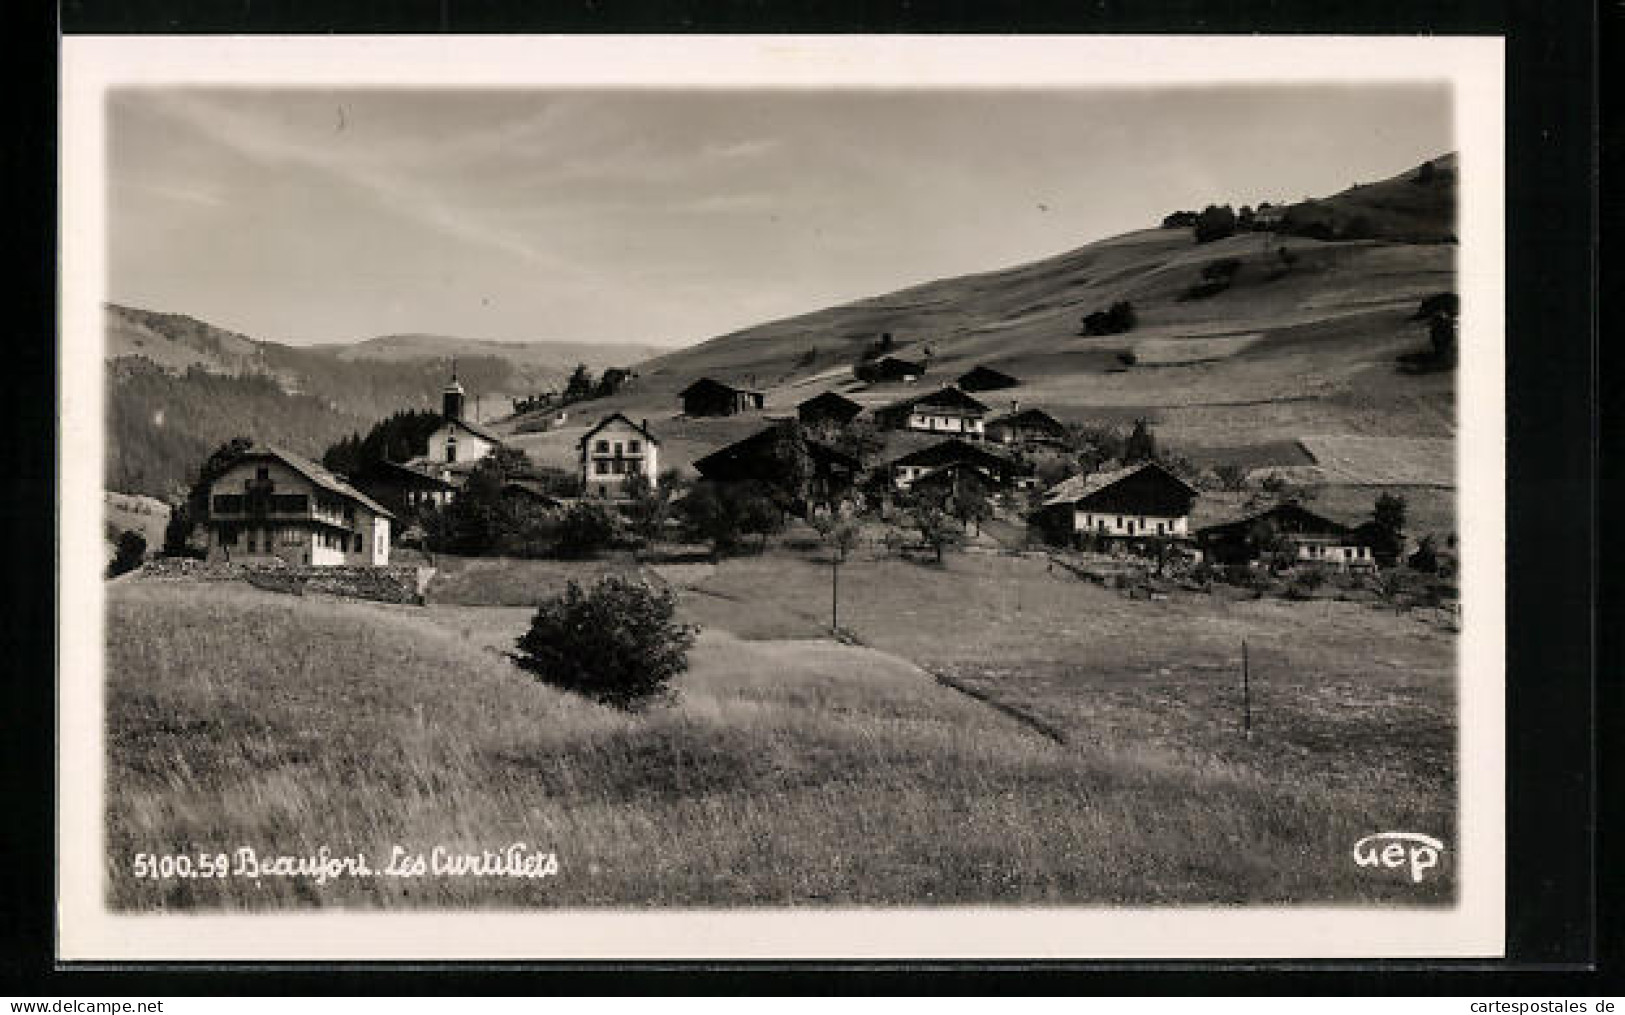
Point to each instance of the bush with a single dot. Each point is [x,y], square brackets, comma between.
[585,529]
[1215,223]
[131,551]
[616,643]
[1114,320]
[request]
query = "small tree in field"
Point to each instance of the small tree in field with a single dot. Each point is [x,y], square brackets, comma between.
[1141,445]
[616,642]
[937,528]
[1231,477]
[840,534]
[584,530]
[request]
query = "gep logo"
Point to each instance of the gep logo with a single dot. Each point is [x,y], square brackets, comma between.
[1399,849]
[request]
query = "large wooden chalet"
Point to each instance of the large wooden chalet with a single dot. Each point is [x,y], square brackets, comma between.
[946,411]
[272,505]
[1130,506]
[1309,537]
[956,454]
[753,459]
[1027,427]
[709,397]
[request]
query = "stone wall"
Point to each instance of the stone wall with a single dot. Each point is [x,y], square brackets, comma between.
[389,584]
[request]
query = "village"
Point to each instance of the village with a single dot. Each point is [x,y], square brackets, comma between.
[938,468]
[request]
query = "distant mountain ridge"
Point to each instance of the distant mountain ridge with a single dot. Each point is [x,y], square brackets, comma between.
[179,386]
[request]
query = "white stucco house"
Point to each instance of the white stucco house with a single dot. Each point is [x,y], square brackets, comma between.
[615,450]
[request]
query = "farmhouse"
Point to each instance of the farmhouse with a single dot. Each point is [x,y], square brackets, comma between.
[274,505]
[1128,506]
[755,458]
[707,397]
[828,409]
[1027,427]
[983,378]
[890,369]
[402,487]
[956,453]
[946,410]
[458,440]
[1308,537]
[615,450]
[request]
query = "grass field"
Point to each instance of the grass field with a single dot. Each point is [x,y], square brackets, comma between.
[792,769]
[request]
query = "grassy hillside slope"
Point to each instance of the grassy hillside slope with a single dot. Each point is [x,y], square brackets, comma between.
[789,773]
[1274,357]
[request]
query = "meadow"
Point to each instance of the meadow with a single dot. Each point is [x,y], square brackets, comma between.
[791,769]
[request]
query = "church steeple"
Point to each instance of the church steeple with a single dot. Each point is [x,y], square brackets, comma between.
[451,397]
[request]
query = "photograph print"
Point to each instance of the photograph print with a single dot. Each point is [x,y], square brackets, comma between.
[525,500]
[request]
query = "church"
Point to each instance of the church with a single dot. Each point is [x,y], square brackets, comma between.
[458,441]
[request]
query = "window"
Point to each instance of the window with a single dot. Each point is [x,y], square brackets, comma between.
[253,545]
[603,491]
[1159,528]
[358,542]
[634,447]
[617,447]
[451,450]
[262,473]
[602,447]
[601,468]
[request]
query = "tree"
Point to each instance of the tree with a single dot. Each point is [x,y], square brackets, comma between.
[1215,223]
[611,381]
[722,513]
[130,551]
[585,529]
[1141,445]
[840,534]
[649,502]
[1425,173]
[580,385]
[937,528]
[617,642]
[1426,557]
[1386,530]
[194,511]
[1442,334]
[1231,477]
[970,503]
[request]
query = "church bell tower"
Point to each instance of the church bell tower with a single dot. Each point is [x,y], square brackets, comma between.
[451,398]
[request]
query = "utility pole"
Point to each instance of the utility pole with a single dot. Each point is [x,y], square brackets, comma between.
[1246,695]
[835,594]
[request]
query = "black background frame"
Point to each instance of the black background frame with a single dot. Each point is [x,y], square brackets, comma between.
[1555,829]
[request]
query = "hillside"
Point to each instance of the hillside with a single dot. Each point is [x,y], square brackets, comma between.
[179,387]
[1301,343]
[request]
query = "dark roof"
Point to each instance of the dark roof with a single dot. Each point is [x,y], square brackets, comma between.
[1070,491]
[946,397]
[475,429]
[955,450]
[711,383]
[529,488]
[612,417]
[830,398]
[317,475]
[1029,417]
[985,378]
[416,475]
[1301,518]
[733,461]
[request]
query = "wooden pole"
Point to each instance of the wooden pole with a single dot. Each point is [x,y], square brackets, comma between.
[1246,695]
[835,595]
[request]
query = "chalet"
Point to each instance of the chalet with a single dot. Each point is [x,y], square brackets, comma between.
[1129,506]
[982,378]
[956,453]
[946,410]
[458,440]
[828,409]
[707,397]
[272,505]
[615,450]
[405,488]
[1027,427]
[889,369]
[752,459]
[1309,537]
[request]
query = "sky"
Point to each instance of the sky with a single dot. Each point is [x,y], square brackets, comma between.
[665,217]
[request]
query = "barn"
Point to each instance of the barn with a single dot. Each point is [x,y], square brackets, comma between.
[956,453]
[985,378]
[946,410]
[1308,537]
[828,409]
[710,397]
[1129,506]
[754,459]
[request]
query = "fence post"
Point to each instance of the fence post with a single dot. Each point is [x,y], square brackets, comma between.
[1246,695]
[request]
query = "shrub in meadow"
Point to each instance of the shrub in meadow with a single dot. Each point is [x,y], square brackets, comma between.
[616,642]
